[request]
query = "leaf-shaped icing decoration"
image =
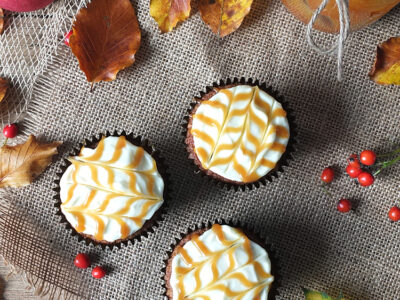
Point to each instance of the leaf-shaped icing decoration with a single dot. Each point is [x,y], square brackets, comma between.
[20,164]
[224,16]
[3,88]
[386,69]
[105,38]
[167,13]
[240,133]
[315,295]
[109,192]
[238,268]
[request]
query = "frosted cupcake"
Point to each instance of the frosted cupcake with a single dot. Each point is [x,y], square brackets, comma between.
[219,262]
[237,133]
[112,191]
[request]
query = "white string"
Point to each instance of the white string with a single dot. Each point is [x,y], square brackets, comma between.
[344,22]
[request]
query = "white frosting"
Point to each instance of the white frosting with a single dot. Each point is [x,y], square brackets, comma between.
[109,192]
[235,268]
[245,118]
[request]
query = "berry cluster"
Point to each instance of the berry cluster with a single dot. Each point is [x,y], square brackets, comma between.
[356,169]
[82,261]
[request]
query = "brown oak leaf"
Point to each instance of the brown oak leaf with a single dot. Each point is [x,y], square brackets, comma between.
[1,20]
[21,164]
[167,13]
[386,69]
[105,38]
[224,16]
[3,88]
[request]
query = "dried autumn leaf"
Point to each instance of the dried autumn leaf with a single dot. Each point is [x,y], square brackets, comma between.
[1,20]
[21,164]
[386,69]
[3,88]
[105,38]
[224,16]
[314,295]
[168,13]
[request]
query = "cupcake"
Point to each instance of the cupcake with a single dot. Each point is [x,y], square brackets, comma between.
[237,133]
[219,262]
[112,191]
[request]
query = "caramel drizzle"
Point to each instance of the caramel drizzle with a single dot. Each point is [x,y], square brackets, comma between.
[264,278]
[209,158]
[92,162]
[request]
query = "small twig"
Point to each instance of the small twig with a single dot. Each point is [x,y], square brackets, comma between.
[326,191]
[387,164]
[390,153]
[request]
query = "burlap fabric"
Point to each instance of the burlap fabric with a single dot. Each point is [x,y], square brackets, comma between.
[318,247]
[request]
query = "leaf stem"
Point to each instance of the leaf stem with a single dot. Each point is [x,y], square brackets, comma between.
[387,164]
[326,191]
[5,142]
[390,153]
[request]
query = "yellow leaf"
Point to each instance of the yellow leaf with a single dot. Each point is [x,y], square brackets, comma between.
[315,295]
[224,16]
[21,164]
[167,13]
[386,69]
[3,88]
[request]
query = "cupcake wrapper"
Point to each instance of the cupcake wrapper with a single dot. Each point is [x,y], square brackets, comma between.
[251,233]
[283,161]
[150,225]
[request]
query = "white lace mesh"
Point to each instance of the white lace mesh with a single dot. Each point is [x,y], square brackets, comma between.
[27,45]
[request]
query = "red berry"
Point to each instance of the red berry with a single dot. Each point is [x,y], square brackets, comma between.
[327,175]
[368,157]
[353,161]
[394,213]
[98,272]
[82,261]
[67,36]
[344,205]
[10,131]
[353,171]
[365,179]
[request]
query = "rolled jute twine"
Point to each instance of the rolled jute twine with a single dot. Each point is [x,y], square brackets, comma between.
[344,22]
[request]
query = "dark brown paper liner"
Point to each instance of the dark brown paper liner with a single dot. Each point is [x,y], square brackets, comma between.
[150,225]
[283,161]
[253,235]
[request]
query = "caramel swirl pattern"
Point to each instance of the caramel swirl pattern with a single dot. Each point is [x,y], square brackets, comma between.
[222,263]
[240,133]
[109,192]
